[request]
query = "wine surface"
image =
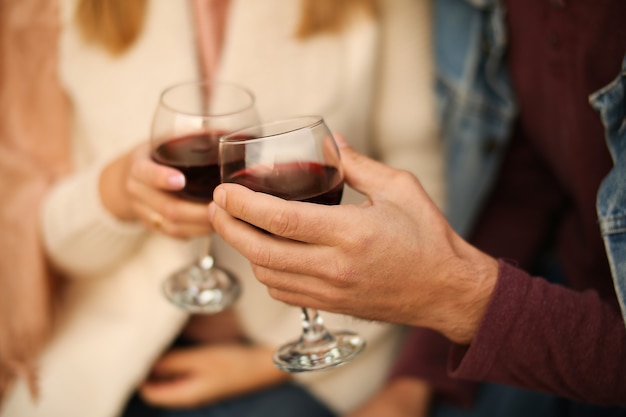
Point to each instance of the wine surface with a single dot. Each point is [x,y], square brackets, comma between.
[196,156]
[302,181]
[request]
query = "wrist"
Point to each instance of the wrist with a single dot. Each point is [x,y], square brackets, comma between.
[477,279]
[112,188]
[473,280]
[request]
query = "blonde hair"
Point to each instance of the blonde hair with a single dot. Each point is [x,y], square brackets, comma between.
[320,16]
[113,24]
[116,24]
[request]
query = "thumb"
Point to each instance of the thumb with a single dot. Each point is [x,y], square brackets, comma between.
[364,174]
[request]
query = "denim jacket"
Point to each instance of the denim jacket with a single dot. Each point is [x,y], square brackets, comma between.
[477,111]
[475,99]
[610,102]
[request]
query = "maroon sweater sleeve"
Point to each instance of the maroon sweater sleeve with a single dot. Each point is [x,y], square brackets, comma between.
[547,337]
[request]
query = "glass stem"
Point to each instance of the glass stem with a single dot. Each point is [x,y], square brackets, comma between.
[313,329]
[205,263]
[205,260]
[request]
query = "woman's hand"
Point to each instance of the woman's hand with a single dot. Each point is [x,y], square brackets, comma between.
[209,373]
[135,188]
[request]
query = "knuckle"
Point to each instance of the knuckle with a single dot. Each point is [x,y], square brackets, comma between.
[359,240]
[342,278]
[260,255]
[237,208]
[284,224]
[404,178]
[260,273]
[170,212]
[282,296]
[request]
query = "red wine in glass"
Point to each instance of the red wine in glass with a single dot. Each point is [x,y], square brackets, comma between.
[294,159]
[302,181]
[196,157]
[188,121]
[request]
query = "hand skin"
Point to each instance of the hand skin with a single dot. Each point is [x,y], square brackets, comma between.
[135,188]
[402,397]
[393,258]
[190,377]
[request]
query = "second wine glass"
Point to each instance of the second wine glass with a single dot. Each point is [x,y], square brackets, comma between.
[188,121]
[295,159]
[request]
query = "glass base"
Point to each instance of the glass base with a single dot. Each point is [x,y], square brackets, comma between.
[333,350]
[202,290]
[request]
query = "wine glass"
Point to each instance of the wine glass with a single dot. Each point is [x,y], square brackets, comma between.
[188,121]
[295,159]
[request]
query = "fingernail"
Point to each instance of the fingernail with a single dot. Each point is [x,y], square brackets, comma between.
[219,196]
[176,180]
[211,211]
[341,141]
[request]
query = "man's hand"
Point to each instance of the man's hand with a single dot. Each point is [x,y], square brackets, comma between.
[393,258]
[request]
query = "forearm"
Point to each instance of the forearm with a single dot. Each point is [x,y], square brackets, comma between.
[552,342]
[468,279]
[80,235]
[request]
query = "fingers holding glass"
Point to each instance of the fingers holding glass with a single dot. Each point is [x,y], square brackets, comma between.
[294,159]
[188,121]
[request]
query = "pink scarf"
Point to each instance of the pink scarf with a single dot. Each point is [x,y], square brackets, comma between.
[210,18]
[34,149]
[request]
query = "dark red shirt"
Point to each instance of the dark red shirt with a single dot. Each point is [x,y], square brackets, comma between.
[567,338]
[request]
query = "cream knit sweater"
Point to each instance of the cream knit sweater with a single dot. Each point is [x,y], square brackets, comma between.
[371,83]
